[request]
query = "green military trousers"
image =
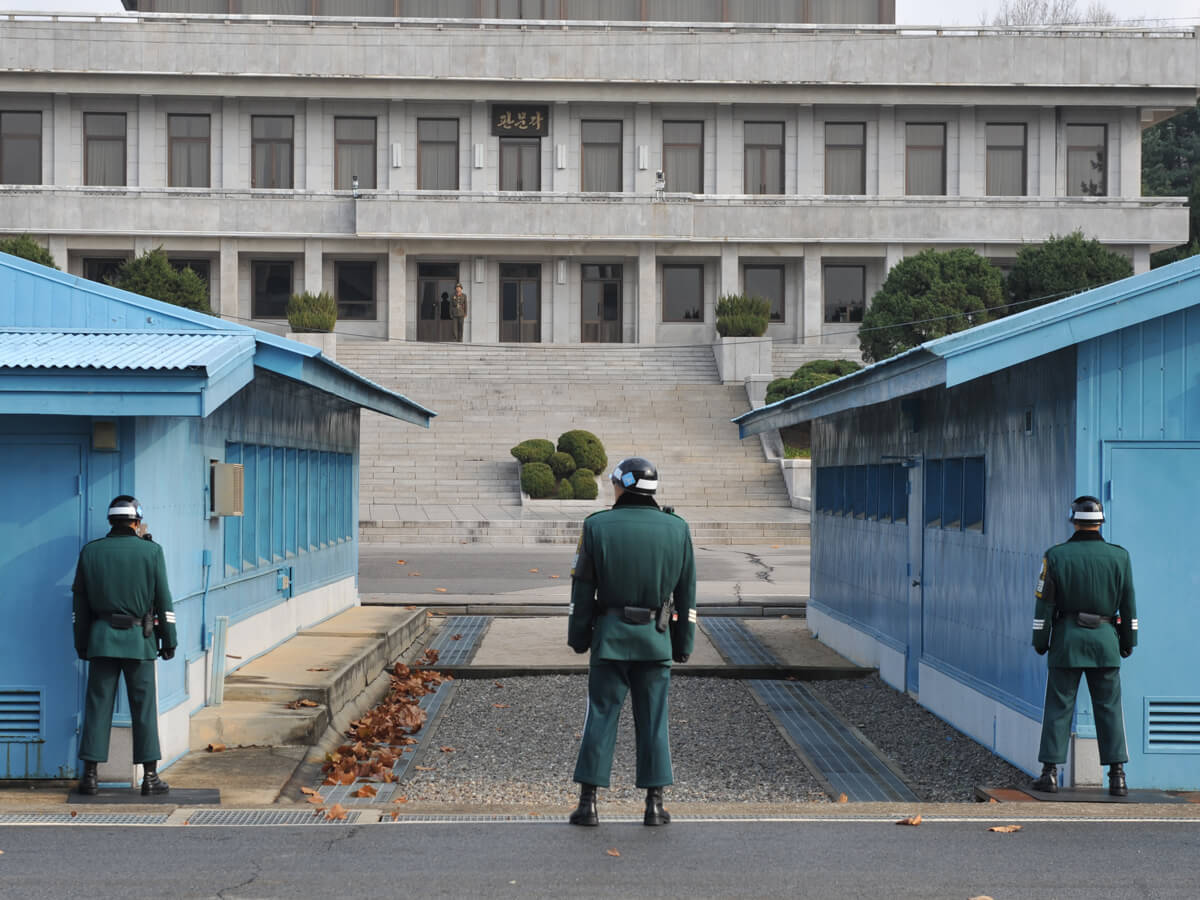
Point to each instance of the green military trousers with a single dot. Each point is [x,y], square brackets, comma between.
[1104,684]
[103,674]
[609,680]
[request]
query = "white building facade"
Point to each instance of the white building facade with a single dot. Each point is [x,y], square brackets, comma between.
[586,180]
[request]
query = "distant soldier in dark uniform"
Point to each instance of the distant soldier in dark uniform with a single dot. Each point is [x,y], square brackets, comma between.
[458,311]
[1086,617]
[633,604]
[123,619]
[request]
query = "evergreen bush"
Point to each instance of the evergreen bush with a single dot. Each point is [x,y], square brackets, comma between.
[741,316]
[561,464]
[312,312]
[151,275]
[808,376]
[583,481]
[27,248]
[565,491]
[537,480]
[533,450]
[585,448]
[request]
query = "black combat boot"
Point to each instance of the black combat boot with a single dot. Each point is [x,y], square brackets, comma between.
[89,782]
[585,812]
[1047,783]
[1116,780]
[151,783]
[655,814]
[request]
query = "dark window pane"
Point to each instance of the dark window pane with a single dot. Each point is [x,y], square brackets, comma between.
[952,493]
[1006,160]
[683,293]
[886,496]
[437,154]
[899,493]
[355,286]
[271,289]
[845,158]
[933,492]
[1087,174]
[104,148]
[683,156]
[189,151]
[763,158]
[520,164]
[845,293]
[860,492]
[354,154]
[102,269]
[601,156]
[925,159]
[973,493]
[21,148]
[271,152]
[767,282]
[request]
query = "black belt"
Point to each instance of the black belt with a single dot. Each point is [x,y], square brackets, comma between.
[632,615]
[122,621]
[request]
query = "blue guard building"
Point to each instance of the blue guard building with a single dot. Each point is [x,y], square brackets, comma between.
[103,392]
[941,475]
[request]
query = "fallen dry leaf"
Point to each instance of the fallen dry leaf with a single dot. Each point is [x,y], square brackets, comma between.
[414,574]
[774,546]
[440,590]
[366,790]
[337,811]
[216,748]
[395,815]
[321,669]
[400,800]
[497,684]
[456,637]
[330,781]
[500,705]
[842,798]
[1005,829]
[556,576]
[613,851]
[910,820]
[981,897]
[401,562]
[423,768]
[447,749]
[310,791]
[316,798]
[533,570]
[347,778]
[74,814]
[410,607]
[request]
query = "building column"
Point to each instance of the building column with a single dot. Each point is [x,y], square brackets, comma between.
[480,132]
[814,316]
[148,173]
[314,149]
[561,316]
[809,165]
[728,279]
[647,294]
[397,136]
[560,136]
[895,253]
[969,182]
[643,178]
[1141,259]
[227,300]
[1048,153]
[1130,131]
[58,249]
[886,154]
[233,173]
[313,267]
[730,178]
[60,167]
[397,292]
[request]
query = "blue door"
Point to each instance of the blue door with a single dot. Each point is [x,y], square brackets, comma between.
[1152,512]
[41,681]
[916,576]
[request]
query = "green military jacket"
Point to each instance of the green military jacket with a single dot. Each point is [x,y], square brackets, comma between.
[1085,574]
[633,555]
[121,573]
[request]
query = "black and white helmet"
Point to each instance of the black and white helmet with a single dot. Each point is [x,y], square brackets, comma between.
[125,508]
[1087,510]
[637,475]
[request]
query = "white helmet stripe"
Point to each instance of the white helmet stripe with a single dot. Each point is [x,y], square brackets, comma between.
[646,484]
[1087,516]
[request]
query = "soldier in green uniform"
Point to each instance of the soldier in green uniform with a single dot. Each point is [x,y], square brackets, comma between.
[1086,618]
[633,604]
[123,619]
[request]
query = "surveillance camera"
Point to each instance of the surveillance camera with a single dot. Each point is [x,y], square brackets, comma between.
[660,175]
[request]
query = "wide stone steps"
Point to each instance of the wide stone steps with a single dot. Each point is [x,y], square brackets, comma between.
[787,358]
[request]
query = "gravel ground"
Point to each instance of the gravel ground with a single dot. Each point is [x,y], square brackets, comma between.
[514,742]
[724,748]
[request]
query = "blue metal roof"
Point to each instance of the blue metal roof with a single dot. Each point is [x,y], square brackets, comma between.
[37,298]
[146,350]
[966,355]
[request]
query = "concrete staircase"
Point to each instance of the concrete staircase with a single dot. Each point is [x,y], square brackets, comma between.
[787,358]
[458,482]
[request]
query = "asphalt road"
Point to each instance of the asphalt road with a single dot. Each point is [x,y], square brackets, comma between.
[818,859]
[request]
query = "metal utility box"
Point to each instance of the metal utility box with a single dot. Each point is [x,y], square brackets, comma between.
[227,489]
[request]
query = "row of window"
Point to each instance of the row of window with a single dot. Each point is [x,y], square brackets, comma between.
[295,501]
[954,492]
[272,153]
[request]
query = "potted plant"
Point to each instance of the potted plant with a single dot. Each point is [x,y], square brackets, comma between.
[742,350]
[311,318]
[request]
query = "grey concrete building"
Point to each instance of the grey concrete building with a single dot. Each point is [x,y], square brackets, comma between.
[590,170]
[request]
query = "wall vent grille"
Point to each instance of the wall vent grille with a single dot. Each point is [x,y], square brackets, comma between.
[1173,725]
[20,715]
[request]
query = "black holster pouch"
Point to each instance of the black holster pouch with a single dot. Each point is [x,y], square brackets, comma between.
[121,621]
[637,615]
[148,624]
[1088,620]
[662,620]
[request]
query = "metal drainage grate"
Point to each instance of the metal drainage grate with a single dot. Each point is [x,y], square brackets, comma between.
[849,765]
[267,817]
[83,819]
[468,630]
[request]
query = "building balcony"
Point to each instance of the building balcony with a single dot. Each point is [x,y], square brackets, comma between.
[590,218]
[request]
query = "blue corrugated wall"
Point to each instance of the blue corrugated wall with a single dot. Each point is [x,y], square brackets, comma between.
[978,586]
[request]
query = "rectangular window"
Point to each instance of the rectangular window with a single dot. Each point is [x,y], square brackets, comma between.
[520,164]
[20,147]
[1005,160]
[189,151]
[845,158]
[600,156]
[355,289]
[860,491]
[291,502]
[886,497]
[601,299]
[766,282]
[683,293]
[202,268]
[437,154]
[271,152]
[262,523]
[102,268]
[973,493]
[845,293]
[104,148]
[952,493]
[933,492]
[232,525]
[353,153]
[873,492]
[683,156]
[763,158]
[1087,167]
[925,159]
[899,494]
[271,288]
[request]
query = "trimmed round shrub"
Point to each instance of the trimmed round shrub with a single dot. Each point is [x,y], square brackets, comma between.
[562,464]
[533,450]
[585,448]
[583,481]
[565,491]
[837,367]
[537,480]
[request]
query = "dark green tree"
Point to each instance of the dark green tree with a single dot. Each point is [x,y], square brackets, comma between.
[1060,267]
[808,376]
[927,296]
[151,275]
[1171,168]
[27,248]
